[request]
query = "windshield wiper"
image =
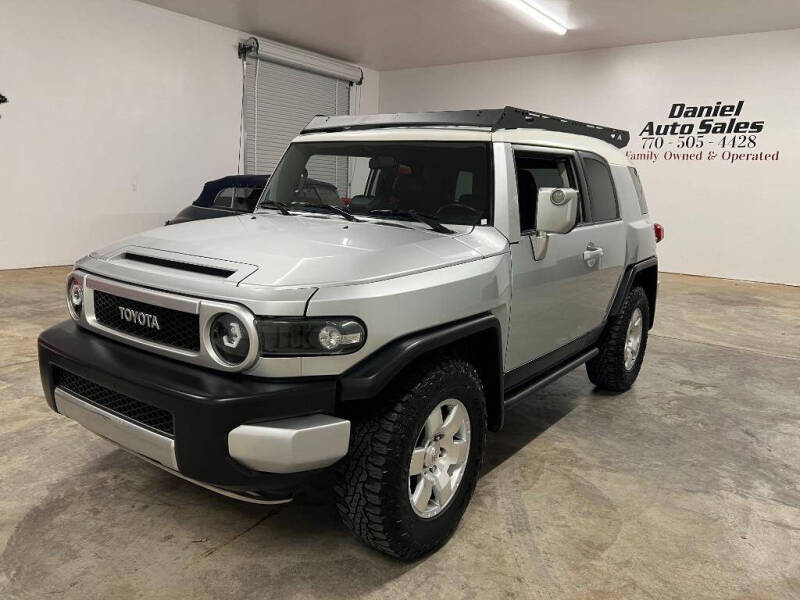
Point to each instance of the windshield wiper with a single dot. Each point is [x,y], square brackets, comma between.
[280,206]
[428,220]
[329,207]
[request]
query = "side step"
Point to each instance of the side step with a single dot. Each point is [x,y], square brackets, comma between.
[525,390]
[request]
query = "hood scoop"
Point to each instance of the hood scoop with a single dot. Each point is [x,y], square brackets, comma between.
[163,263]
[181,266]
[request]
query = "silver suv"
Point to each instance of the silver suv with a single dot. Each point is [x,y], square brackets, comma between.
[475,256]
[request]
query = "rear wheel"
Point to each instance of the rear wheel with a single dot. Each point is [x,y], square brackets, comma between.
[622,345]
[412,468]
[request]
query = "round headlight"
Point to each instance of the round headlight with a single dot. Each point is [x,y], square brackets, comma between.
[229,339]
[75,296]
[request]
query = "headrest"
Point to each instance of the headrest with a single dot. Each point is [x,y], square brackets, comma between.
[382,162]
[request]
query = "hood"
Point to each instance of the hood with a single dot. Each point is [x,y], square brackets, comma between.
[300,250]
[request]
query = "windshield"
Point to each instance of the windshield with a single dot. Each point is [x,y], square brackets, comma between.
[390,180]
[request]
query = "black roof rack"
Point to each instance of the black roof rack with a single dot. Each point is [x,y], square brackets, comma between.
[493,118]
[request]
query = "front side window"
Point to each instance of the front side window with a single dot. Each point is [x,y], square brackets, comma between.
[535,171]
[602,200]
[445,180]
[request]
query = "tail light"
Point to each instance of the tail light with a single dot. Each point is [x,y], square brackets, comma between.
[346,201]
[658,229]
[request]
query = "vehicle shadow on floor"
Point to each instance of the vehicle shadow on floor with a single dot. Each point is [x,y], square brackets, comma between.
[200,530]
[532,417]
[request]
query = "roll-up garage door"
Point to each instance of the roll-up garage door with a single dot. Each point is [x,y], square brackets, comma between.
[283,89]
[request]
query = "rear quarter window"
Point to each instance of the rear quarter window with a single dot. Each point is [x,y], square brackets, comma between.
[602,198]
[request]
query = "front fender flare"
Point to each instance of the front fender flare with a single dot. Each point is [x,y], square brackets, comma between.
[369,378]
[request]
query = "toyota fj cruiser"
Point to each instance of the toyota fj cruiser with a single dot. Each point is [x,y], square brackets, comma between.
[476,257]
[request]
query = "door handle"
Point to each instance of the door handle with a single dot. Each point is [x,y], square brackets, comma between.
[592,255]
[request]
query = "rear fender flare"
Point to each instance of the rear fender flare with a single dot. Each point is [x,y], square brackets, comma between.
[644,272]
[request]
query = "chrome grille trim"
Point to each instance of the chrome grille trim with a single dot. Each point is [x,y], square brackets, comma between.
[148,296]
[205,309]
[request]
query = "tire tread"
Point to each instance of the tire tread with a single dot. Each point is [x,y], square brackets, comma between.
[607,369]
[364,498]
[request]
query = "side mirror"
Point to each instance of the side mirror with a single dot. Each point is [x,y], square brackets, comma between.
[556,210]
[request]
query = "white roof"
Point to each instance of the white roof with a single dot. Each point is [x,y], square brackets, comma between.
[531,137]
[392,134]
[557,139]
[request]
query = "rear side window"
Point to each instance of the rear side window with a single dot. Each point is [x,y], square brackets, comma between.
[246,198]
[637,183]
[602,200]
[242,199]
[463,185]
[224,199]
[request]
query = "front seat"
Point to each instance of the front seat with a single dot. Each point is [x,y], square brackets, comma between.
[409,192]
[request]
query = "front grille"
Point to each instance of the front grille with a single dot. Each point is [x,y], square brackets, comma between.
[175,328]
[141,413]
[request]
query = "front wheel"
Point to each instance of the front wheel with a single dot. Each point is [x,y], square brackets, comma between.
[622,345]
[412,468]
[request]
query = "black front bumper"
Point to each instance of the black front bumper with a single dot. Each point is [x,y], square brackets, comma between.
[205,405]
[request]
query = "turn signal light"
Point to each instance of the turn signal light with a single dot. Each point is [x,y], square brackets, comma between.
[75,297]
[659,231]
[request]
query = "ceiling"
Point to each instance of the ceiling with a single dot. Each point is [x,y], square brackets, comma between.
[397,34]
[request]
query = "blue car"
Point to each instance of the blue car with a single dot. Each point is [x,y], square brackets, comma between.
[236,194]
[224,197]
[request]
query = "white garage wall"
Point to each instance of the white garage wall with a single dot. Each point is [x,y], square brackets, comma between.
[118,112]
[728,220]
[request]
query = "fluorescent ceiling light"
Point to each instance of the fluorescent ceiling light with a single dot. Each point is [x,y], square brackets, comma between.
[537,13]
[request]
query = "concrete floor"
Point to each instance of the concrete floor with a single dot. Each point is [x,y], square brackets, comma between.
[688,486]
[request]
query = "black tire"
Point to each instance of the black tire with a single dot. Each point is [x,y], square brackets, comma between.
[607,370]
[372,487]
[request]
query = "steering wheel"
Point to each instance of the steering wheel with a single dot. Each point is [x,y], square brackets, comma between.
[460,206]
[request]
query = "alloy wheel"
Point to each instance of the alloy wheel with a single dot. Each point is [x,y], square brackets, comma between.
[439,458]
[633,339]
